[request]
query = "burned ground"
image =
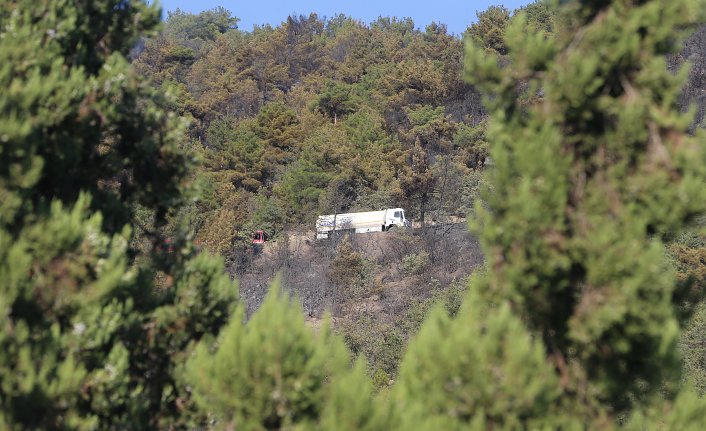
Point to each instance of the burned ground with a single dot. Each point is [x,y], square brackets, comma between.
[377,287]
[393,268]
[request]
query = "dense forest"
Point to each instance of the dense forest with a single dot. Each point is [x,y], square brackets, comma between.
[319,116]
[138,157]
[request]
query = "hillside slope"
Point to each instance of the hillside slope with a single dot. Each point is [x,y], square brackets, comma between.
[376,286]
[387,272]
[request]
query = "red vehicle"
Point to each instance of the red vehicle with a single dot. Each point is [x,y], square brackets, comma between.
[166,246]
[259,238]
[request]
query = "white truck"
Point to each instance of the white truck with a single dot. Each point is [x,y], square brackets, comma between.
[370,221]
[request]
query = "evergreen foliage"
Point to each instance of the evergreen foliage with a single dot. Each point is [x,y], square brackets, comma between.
[261,102]
[90,167]
[334,100]
[110,318]
[273,372]
[478,370]
[70,95]
[686,412]
[693,350]
[590,177]
[207,25]
[52,270]
[489,31]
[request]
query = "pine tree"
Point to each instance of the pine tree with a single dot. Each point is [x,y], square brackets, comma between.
[489,31]
[420,182]
[479,370]
[593,170]
[334,101]
[274,372]
[90,159]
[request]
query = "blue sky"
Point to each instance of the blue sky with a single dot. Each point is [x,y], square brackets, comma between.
[456,14]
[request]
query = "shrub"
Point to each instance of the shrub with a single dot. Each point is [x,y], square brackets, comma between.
[415,263]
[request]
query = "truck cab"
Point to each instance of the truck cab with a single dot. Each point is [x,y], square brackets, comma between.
[396,217]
